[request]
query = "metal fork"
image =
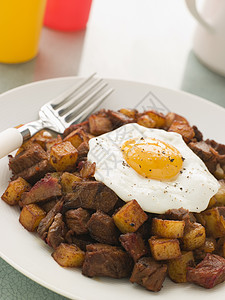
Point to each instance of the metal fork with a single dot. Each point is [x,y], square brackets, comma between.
[71,107]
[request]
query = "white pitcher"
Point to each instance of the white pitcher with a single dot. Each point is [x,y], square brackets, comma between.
[209,38]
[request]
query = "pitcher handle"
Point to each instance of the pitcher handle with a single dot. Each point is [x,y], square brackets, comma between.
[191,4]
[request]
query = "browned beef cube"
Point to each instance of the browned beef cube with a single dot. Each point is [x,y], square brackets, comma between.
[76,220]
[87,170]
[149,273]
[27,158]
[91,195]
[46,222]
[47,206]
[180,214]
[79,240]
[35,172]
[99,124]
[219,148]
[83,151]
[102,228]
[198,134]
[209,272]
[56,232]
[134,244]
[106,260]
[84,125]
[206,153]
[144,229]
[118,119]
[45,189]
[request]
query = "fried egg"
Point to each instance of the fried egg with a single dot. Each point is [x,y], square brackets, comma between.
[152,166]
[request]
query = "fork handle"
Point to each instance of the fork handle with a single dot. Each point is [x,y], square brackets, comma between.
[10,140]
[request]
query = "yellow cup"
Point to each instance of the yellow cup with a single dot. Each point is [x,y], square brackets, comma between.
[20,27]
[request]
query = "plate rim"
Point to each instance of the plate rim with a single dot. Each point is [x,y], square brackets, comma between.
[65,78]
[199,98]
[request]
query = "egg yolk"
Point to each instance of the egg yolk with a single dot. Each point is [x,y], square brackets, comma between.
[153,158]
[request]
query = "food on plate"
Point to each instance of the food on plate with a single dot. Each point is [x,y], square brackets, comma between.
[146,163]
[30,216]
[126,194]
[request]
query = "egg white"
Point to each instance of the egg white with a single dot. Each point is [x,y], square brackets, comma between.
[191,189]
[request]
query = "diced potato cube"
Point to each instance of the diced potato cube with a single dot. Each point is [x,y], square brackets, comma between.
[158,117]
[168,228]
[177,267]
[219,172]
[146,121]
[163,248]
[170,117]
[184,129]
[67,180]
[212,203]
[131,113]
[51,142]
[194,237]
[30,216]
[130,217]
[220,195]
[76,137]
[214,222]
[41,138]
[68,255]
[14,191]
[63,156]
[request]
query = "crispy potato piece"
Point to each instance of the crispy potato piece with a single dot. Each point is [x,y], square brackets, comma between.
[219,172]
[212,203]
[51,142]
[170,117]
[67,179]
[168,228]
[146,121]
[163,248]
[130,217]
[177,267]
[194,237]
[210,245]
[131,113]
[68,255]
[41,138]
[158,117]
[214,222]
[14,191]
[220,195]
[184,129]
[76,137]
[30,216]
[63,156]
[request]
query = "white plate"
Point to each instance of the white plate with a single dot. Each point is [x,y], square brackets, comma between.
[28,254]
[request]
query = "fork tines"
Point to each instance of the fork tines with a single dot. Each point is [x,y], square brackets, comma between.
[77,103]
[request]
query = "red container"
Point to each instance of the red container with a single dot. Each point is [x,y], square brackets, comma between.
[67,15]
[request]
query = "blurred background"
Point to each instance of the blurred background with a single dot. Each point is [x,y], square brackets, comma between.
[146,41]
